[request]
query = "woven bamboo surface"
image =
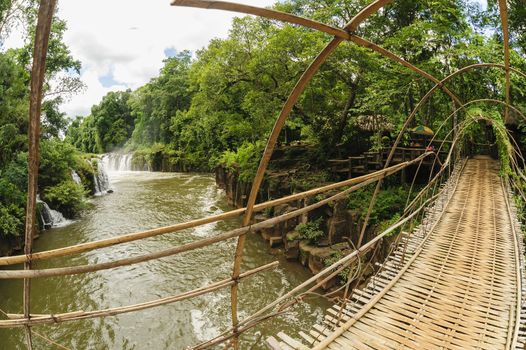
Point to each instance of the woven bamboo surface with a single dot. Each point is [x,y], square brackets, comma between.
[454,287]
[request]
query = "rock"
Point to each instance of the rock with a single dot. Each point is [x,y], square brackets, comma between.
[272,236]
[259,218]
[338,229]
[292,243]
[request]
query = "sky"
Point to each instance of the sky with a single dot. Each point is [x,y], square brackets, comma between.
[122,43]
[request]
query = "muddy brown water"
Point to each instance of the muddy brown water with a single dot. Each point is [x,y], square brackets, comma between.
[140,201]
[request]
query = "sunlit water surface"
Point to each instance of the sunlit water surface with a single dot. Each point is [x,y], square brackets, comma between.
[142,201]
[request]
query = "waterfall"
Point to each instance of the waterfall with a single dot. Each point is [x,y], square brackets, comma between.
[76,177]
[50,217]
[101,182]
[118,161]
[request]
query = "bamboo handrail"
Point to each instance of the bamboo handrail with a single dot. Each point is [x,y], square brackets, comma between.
[278,126]
[71,270]
[108,242]
[82,315]
[314,279]
[321,345]
[519,271]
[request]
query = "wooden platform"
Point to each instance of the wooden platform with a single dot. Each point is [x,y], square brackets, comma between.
[456,284]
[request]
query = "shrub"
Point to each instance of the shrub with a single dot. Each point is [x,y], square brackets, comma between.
[384,225]
[11,220]
[390,202]
[67,197]
[246,157]
[344,274]
[311,231]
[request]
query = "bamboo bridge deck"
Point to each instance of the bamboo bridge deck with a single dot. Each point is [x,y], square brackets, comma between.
[458,286]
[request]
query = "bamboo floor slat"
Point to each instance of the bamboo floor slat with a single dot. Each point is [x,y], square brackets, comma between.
[455,287]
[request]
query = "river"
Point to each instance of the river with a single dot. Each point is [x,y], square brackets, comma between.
[143,200]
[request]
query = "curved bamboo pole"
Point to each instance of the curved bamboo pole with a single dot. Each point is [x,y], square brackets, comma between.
[503,9]
[131,237]
[71,270]
[269,149]
[266,13]
[45,16]
[293,19]
[410,119]
[271,142]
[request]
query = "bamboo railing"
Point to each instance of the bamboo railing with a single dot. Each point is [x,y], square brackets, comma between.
[424,198]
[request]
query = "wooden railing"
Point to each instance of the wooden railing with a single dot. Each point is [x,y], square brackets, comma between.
[370,162]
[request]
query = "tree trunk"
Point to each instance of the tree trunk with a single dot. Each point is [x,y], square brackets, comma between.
[338,133]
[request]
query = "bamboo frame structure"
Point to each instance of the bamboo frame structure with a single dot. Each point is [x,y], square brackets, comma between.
[503,9]
[340,35]
[410,118]
[109,242]
[63,271]
[45,16]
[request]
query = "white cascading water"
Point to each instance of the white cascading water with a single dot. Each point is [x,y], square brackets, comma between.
[118,162]
[100,178]
[76,177]
[50,217]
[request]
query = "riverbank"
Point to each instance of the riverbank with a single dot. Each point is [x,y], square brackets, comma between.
[144,200]
[318,238]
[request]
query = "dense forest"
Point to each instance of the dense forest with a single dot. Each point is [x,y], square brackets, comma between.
[218,105]
[226,97]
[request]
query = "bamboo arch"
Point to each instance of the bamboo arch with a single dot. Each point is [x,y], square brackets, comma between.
[45,16]
[339,36]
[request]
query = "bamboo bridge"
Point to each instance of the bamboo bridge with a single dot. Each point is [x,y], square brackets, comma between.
[454,278]
[455,285]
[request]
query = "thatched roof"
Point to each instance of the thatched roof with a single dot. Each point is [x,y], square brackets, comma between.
[374,123]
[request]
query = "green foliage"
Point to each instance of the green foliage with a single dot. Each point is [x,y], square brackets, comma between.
[246,158]
[311,231]
[343,276]
[11,220]
[475,130]
[390,203]
[66,197]
[57,158]
[207,109]
[384,225]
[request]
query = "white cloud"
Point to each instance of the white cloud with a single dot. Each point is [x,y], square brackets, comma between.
[127,38]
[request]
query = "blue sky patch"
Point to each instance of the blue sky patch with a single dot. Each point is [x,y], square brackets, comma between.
[108,80]
[170,52]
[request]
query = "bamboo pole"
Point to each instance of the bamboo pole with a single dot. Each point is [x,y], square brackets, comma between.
[247,322]
[518,276]
[503,8]
[71,270]
[288,18]
[263,12]
[104,243]
[43,28]
[82,315]
[278,126]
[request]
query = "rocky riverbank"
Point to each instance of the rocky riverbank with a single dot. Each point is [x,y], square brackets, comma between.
[314,239]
